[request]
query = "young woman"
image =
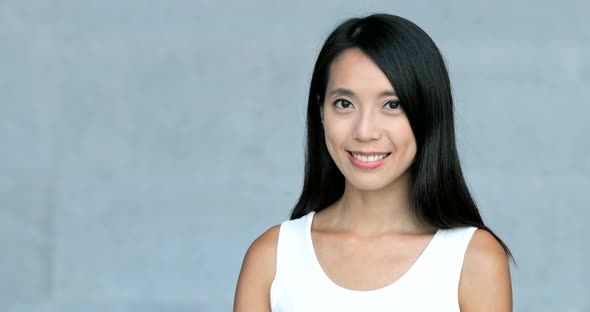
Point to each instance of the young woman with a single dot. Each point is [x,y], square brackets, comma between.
[385,221]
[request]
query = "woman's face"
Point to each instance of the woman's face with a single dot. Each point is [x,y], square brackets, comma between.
[362,115]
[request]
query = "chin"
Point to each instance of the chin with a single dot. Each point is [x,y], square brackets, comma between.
[367,185]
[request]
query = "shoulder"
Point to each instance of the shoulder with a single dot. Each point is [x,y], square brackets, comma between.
[261,254]
[485,283]
[265,245]
[257,272]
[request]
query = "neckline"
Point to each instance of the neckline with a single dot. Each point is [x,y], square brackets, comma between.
[328,281]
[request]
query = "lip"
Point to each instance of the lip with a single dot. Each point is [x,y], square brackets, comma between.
[368,153]
[364,165]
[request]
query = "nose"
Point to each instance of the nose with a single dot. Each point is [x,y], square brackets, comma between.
[366,127]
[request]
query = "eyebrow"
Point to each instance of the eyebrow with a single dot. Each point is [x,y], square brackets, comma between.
[343,91]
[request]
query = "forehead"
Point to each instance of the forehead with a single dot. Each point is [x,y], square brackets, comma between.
[354,70]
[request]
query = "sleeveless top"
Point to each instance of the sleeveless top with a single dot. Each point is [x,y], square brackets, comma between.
[431,283]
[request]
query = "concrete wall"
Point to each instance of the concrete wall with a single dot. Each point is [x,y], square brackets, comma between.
[145,144]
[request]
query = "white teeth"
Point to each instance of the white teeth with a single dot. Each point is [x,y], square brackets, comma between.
[369,158]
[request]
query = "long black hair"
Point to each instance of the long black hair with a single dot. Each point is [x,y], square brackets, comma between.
[413,64]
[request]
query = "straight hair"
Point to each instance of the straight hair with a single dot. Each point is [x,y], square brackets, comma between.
[413,64]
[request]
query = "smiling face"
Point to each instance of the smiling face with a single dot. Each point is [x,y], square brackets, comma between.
[362,115]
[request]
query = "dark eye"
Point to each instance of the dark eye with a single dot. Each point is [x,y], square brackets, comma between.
[345,103]
[393,104]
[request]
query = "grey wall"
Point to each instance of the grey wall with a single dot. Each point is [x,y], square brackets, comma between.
[144,145]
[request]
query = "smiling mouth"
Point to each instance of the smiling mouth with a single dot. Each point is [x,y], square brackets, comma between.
[368,159]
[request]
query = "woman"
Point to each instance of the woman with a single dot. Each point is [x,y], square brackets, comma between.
[385,221]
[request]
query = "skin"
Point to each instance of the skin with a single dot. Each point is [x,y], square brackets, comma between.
[369,238]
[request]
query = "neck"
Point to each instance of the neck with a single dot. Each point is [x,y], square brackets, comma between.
[369,213]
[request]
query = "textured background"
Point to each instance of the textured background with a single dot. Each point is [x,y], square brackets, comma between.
[145,144]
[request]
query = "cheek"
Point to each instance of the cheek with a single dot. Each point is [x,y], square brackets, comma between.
[405,137]
[335,137]
[335,133]
[410,143]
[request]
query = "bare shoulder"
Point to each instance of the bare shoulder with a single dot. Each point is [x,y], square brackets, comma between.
[263,251]
[257,272]
[485,283]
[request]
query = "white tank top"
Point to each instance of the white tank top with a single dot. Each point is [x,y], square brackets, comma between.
[431,283]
